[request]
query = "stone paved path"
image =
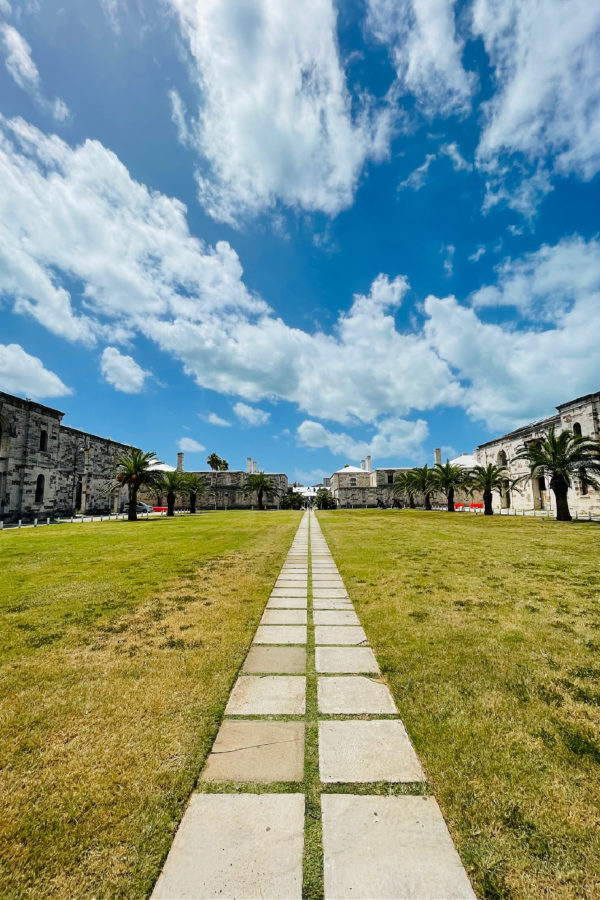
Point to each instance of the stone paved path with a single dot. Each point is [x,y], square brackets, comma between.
[311,679]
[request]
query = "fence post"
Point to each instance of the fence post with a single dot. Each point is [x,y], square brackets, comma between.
[47,520]
[20,522]
[35,523]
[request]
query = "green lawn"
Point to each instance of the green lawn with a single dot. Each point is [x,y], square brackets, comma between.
[488,632]
[119,646]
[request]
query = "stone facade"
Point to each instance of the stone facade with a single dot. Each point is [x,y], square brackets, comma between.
[48,469]
[226,491]
[353,486]
[581,416]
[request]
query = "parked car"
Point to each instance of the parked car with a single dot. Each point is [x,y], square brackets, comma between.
[139,507]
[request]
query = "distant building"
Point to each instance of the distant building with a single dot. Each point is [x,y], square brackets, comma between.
[581,416]
[48,469]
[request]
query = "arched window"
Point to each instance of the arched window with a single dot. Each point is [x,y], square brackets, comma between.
[39,489]
[502,460]
[577,429]
[43,439]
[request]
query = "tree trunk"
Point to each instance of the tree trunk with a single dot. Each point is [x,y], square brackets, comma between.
[487,503]
[427,501]
[411,501]
[451,500]
[171,503]
[132,511]
[559,486]
[192,502]
[259,497]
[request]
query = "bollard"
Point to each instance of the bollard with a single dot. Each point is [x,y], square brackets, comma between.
[1,524]
[47,520]
[71,520]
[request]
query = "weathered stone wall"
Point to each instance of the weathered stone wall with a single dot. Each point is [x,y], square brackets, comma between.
[226,491]
[75,466]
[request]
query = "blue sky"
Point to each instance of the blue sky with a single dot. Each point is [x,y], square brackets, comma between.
[300,232]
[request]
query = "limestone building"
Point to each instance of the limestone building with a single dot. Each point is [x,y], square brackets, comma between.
[226,488]
[581,416]
[48,469]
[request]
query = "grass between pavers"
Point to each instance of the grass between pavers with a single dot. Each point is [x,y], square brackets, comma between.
[120,644]
[488,633]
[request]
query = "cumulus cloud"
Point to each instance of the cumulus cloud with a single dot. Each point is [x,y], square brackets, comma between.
[23,374]
[275,121]
[122,371]
[425,47]
[250,415]
[546,64]
[189,445]
[213,419]
[397,438]
[21,67]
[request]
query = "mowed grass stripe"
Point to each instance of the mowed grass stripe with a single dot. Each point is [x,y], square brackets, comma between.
[121,643]
[488,633]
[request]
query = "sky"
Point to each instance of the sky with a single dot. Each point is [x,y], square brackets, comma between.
[301,232]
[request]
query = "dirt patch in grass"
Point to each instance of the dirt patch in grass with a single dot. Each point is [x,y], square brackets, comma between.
[113,682]
[488,632]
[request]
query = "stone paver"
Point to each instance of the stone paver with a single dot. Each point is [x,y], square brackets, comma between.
[260,695]
[257,751]
[358,751]
[340,634]
[236,846]
[280,634]
[284,617]
[288,592]
[329,593]
[353,695]
[332,604]
[335,617]
[287,603]
[342,660]
[282,660]
[386,848]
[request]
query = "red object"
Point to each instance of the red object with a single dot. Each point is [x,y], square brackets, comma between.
[159,508]
[476,505]
[458,505]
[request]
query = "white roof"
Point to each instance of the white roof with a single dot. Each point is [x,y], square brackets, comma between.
[349,469]
[466,460]
[162,467]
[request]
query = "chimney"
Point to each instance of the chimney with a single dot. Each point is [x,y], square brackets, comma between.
[248,465]
[255,467]
[437,455]
[180,462]
[368,463]
[362,463]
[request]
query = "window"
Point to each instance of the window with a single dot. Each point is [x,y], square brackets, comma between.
[43,440]
[502,460]
[353,482]
[390,477]
[39,489]
[577,429]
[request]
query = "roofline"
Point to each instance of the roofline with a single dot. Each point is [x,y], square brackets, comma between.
[594,396]
[28,402]
[522,430]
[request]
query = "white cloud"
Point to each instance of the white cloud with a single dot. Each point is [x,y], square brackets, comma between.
[213,419]
[20,65]
[426,50]
[459,163]
[189,445]
[417,178]
[309,477]
[5,7]
[393,438]
[545,284]
[23,374]
[122,371]
[546,62]
[477,254]
[250,415]
[449,250]
[275,122]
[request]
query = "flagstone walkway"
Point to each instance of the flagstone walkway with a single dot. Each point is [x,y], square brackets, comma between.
[311,680]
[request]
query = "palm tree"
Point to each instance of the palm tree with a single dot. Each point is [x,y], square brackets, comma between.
[196,485]
[403,487]
[223,465]
[134,469]
[260,484]
[173,483]
[563,457]
[449,478]
[214,461]
[488,479]
[422,480]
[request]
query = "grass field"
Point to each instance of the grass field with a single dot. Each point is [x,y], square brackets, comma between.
[488,632]
[119,646]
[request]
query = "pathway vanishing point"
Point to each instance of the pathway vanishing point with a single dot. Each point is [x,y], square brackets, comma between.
[312,787]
